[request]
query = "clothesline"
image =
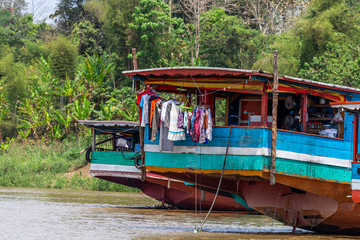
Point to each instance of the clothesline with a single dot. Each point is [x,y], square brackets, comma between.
[173,119]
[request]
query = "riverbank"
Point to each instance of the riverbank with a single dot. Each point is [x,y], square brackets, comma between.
[50,165]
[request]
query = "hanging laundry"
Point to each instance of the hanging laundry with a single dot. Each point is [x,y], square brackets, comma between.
[180,120]
[165,143]
[201,131]
[155,120]
[175,133]
[193,119]
[145,110]
[196,126]
[209,126]
[185,119]
[163,109]
[188,127]
[152,109]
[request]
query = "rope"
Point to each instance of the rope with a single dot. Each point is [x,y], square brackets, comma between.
[130,158]
[218,188]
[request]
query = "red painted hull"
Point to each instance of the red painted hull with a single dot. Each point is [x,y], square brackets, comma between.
[177,193]
[303,203]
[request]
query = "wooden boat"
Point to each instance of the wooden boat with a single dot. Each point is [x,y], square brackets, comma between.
[314,150]
[119,163]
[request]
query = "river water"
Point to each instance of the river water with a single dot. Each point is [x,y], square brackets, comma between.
[59,214]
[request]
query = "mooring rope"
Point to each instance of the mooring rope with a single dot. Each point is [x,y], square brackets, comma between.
[218,188]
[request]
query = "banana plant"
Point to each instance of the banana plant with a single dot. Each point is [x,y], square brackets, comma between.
[24,134]
[96,69]
[32,116]
[56,132]
[130,115]
[81,109]
[3,115]
[6,145]
[63,120]
[107,111]
[73,89]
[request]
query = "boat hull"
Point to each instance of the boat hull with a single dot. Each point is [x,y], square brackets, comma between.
[311,190]
[112,166]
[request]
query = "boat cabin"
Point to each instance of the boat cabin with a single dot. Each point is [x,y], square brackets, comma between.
[243,98]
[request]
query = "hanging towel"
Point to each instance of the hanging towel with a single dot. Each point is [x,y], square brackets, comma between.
[175,133]
[209,127]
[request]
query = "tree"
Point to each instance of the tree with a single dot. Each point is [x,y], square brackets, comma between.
[227,42]
[338,65]
[16,7]
[67,13]
[158,47]
[13,77]
[193,10]
[115,17]
[270,16]
[63,60]
[88,38]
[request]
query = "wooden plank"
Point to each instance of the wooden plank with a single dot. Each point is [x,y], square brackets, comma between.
[93,139]
[264,109]
[114,142]
[274,120]
[226,111]
[356,136]
[304,102]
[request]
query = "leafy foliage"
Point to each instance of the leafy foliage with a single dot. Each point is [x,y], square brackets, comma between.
[64,58]
[339,65]
[158,34]
[227,41]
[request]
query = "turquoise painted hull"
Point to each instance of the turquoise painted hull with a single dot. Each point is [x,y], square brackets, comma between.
[299,155]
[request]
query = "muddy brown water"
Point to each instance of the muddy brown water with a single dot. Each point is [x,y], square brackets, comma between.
[60,214]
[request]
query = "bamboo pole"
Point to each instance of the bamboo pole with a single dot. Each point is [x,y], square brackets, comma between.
[274,120]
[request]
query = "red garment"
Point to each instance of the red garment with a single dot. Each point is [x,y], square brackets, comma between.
[138,100]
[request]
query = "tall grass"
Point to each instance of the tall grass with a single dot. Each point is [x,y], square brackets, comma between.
[44,165]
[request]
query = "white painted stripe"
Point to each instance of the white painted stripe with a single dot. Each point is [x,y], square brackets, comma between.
[109,167]
[116,174]
[254,152]
[355,184]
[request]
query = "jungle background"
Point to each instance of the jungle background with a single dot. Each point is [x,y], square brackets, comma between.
[67,66]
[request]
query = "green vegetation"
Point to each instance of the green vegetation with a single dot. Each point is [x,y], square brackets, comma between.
[47,165]
[53,75]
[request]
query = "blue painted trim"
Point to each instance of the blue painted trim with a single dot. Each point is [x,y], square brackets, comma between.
[240,200]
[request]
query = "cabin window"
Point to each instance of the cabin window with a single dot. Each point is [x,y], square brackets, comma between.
[321,118]
[220,110]
[245,110]
[250,112]
[318,115]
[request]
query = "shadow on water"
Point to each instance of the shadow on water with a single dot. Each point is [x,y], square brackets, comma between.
[59,214]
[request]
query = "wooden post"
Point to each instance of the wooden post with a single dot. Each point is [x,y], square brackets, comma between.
[274,120]
[141,129]
[114,142]
[304,100]
[136,83]
[356,136]
[133,51]
[93,139]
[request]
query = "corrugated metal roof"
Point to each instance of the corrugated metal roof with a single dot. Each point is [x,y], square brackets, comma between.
[94,123]
[223,72]
[348,106]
